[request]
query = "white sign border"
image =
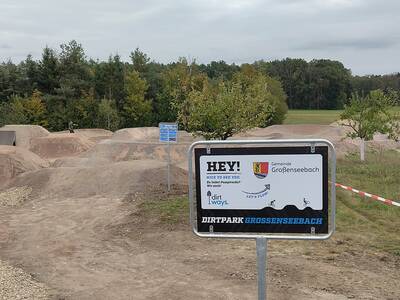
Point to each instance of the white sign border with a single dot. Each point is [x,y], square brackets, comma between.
[298,142]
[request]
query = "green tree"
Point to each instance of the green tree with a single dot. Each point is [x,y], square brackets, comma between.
[293,74]
[48,71]
[219,70]
[139,61]
[367,83]
[76,75]
[12,112]
[136,110]
[14,80]
[160,100]
[35,110]
[82,111]
[109,80]
[218,112]
[329,84]
[20,110]
[368,115]
[267,89]
[107,116]
[179,80]
[319,84]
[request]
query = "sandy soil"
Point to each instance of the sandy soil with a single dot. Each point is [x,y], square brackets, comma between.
[104,248]
[74,225]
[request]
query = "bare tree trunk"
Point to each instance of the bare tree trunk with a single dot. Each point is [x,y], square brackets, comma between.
[362,150]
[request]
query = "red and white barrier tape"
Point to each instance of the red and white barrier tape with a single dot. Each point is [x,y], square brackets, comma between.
[364,194]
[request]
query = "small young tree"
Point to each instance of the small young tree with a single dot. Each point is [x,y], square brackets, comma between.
[136,109]
[108,115]
[369,115]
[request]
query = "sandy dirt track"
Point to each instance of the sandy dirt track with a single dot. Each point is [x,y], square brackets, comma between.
[103,248]
[70,220]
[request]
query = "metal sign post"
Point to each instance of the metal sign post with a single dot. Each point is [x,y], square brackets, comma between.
[169,165]
[262,189]
[168,134]
[261,245]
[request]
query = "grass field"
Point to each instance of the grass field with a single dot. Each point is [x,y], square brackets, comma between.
[322,117]
[372,223]
[313,116]
[362,222]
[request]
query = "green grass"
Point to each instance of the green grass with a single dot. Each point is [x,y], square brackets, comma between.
[372,223]
[314,116]
[172,210]
[322,117]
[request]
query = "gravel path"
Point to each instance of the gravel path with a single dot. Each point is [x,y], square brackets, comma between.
[14,196]
[16,284]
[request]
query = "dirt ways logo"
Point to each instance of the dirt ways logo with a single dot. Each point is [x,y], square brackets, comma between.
[216,199]
[260,169]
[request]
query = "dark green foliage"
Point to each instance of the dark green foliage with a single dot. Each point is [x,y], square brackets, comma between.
[113,94]
[109,80]
[14,80]
[12,112]
[48,71]
[364,84]
[139,61]
[219,70]
[319,84]
[76,75]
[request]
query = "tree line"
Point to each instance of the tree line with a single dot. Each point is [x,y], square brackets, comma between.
[64,85]
[323,83]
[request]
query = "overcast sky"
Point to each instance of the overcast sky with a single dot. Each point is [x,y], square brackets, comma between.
[363,34]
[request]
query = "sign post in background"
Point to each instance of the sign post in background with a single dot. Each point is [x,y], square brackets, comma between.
[168,134]
[273,189]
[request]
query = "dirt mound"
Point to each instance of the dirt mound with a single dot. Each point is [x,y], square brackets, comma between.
[122,151]
[110,151]
[148,134]
[294,131]
[15,161]
[137,134]
[334,133]
[25,133]
[57,145]
[92,134]
[118,179]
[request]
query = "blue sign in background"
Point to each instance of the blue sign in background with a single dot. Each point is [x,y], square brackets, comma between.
[168,132]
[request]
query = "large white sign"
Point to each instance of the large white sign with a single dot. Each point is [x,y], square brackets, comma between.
[257,181]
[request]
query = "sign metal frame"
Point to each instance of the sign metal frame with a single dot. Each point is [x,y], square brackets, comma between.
[312,143]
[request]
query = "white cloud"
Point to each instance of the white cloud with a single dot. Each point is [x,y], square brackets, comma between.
[361,33]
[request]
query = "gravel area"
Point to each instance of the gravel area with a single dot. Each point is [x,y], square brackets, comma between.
[16,284]
[15,196]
